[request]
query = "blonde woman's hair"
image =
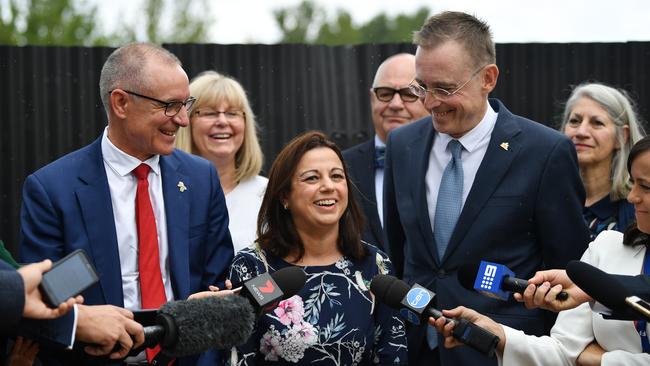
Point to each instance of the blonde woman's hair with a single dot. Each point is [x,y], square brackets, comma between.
[620,109]
[211,88]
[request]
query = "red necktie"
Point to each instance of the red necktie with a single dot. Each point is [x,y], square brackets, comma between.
[152,290]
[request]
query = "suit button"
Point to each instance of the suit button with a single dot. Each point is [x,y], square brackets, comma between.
[442,273]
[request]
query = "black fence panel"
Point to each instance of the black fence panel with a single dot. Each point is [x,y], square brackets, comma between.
[50,105]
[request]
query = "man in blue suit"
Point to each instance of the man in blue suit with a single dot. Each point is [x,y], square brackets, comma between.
[87,199]
[393,105]
[474,181]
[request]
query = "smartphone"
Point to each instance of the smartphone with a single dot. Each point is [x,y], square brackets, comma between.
[68,278]
[640,305]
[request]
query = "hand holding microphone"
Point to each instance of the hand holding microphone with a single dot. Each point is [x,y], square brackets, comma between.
[193,326]
[498,281]
[447,329]
[549,283]
[414,304]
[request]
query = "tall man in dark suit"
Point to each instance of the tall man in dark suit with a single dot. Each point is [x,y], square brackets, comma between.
[475,182]
[153,219]
[392,105]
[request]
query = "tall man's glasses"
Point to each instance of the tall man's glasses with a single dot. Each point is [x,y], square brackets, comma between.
[385,94]
[171,108]
[439,93]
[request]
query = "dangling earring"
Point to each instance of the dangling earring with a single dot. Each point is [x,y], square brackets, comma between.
[285,205]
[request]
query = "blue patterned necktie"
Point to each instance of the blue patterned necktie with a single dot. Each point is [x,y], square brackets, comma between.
[450,199]
[450,203]
[380,153]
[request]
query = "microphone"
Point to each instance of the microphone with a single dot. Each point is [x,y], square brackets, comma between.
[414,305]
[188,327]
[494,280]
[606,289]
[266,291]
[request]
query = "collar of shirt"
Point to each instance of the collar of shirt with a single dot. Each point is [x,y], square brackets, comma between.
[122,163]
[472,139]
[603,209]
[378,142]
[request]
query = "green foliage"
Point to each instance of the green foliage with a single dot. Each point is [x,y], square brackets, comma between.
[307,23]
[184,27]
[297,22]
[74,22]
[48,22]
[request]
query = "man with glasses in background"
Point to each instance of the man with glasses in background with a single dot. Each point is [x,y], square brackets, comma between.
[393,105]
[152,219]
[475,182]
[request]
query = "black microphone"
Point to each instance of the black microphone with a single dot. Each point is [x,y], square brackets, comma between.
[414,305]
[265,291]
[190,327]
[494,280]
[604,288]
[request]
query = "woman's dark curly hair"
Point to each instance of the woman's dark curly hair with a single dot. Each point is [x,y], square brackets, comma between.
[275,227]
[632,235]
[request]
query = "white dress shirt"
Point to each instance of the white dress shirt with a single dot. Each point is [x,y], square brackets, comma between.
[379,184]
[123,186]
[475,144]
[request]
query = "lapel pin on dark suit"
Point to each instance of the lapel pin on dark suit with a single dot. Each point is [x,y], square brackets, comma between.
[181,186]
[505,146]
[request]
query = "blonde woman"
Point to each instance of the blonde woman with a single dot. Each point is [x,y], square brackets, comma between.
[222,129]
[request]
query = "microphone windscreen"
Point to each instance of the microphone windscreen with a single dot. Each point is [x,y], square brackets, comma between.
[389,290]
[218,322]
[290,280]
[601,286]
[467,273]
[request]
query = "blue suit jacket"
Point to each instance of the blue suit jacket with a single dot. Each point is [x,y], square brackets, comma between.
[67,206]
[524,210]
[361,168]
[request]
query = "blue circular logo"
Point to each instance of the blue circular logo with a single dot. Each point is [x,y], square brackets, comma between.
[418,297]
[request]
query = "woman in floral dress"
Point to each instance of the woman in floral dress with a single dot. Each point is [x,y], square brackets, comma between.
[307,219]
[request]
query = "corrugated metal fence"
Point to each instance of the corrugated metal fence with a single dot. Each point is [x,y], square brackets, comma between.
[49,99]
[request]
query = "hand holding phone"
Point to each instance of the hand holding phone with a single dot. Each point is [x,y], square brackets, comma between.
[68,278]
[35,307]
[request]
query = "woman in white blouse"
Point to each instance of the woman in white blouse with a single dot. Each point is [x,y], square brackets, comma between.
[222,129]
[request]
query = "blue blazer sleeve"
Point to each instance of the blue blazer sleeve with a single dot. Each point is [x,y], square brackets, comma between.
[42,234]
[220,253]
[55,333]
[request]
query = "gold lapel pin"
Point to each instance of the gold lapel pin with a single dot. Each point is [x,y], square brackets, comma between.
[181,186]
[505,146]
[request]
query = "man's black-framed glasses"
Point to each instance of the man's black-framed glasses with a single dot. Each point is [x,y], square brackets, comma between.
[385,94]
[172,107]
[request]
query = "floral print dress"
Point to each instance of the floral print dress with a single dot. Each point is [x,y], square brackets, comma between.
[333,320]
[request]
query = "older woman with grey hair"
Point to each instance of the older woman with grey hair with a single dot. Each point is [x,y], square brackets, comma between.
[603,124]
